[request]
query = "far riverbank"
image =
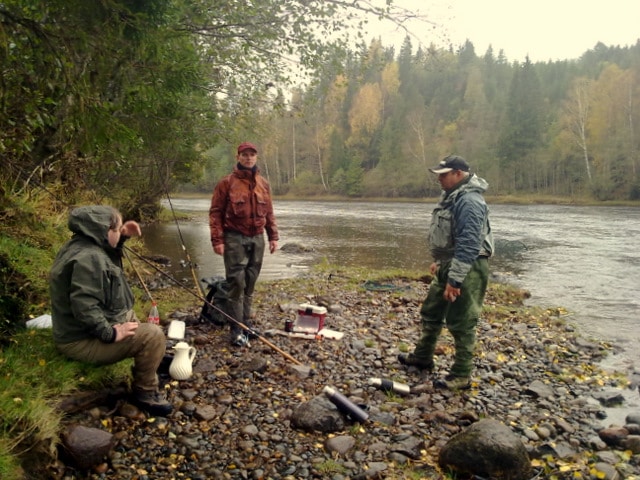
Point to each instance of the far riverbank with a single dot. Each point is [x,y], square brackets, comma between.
[495,199]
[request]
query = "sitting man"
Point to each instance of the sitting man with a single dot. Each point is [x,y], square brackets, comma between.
[92,304]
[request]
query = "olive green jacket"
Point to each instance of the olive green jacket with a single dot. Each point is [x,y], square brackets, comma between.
[89,292]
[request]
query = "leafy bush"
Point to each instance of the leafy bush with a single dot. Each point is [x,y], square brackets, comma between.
[602,189]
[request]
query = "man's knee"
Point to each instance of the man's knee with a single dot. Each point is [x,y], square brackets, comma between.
[151,336]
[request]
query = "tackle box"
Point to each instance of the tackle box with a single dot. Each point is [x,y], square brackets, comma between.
[310,318]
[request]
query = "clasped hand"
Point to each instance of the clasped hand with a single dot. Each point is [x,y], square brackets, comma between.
[451,293]
[125,330]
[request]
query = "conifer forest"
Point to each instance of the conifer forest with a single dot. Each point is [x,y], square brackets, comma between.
[128,99]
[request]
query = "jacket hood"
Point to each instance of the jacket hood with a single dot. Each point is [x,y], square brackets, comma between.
[472,183]
[478,184]
[92,222]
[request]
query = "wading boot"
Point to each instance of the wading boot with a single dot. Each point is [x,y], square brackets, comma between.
[410,360]
[452,382]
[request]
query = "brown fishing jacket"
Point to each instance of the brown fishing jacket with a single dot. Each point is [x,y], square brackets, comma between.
[241,202]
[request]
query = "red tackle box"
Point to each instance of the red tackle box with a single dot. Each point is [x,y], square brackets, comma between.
[310,318]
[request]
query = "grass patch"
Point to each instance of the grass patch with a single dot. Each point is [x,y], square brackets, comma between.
[9,466]
[30,235]
[330,466]
[33,378]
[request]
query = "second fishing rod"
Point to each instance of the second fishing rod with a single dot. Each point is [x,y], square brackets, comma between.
[215,307]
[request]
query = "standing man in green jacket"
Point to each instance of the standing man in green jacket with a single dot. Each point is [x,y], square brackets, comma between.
[461,243]
[241,211]
[92,304]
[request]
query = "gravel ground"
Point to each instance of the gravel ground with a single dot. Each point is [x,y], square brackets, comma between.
[232,418]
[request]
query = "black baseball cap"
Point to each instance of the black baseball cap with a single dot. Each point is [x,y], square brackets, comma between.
[452,162]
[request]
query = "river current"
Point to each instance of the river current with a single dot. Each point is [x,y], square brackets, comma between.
[584,259]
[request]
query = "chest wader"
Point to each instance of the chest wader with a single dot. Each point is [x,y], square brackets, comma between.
[461,316]
[242,261]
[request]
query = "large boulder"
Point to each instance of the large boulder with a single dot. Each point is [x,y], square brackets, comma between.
[487,449]
[87,446]
[318,415]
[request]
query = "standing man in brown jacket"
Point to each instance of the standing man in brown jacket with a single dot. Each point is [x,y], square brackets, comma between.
[241,210]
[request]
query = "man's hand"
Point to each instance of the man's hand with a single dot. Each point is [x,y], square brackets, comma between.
[273,246]
[451,293]
[124,330]
[130,228]
[433,268]
[219,249]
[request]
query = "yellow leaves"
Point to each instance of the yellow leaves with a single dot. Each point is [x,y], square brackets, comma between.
[390,79]
[42,362]
[557,312]
[501,357]
[17,400]
[366,113]
[561,469]
[536,462]
[626,455]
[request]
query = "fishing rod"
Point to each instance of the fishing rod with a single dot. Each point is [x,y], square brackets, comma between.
[211,305]
[184,248]
[146,290]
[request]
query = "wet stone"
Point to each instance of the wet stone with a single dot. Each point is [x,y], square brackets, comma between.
[205,412]
[340,444]
[87,446]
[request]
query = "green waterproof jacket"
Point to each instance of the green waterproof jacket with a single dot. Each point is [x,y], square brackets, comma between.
[460,230]
[89,292]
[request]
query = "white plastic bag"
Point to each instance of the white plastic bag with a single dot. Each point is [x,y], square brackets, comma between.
[43,321]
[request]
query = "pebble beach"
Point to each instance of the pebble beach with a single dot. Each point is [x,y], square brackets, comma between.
[234,418]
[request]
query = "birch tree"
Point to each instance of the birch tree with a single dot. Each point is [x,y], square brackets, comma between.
[577,112]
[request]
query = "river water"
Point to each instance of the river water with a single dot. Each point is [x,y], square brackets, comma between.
[585,259]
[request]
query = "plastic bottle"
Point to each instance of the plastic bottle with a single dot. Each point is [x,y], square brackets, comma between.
[154,316]
[345,405]
[390,386]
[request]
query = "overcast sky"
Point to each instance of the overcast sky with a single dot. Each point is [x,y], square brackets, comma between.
[543,29]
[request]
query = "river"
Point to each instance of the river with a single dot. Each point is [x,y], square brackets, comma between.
[585,259]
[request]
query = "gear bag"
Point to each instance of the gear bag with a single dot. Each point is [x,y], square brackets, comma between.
[218,296]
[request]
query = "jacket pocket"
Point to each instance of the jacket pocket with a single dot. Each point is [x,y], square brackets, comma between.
[115,298]
[240,205]
[440,231]
[261,206]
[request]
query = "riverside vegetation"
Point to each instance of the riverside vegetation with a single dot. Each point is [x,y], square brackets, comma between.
[250,398]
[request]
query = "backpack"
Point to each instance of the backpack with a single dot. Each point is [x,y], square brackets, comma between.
[218,296]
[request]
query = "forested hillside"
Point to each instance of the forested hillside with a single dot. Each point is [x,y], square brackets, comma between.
[122,101]
[372,127]
[116,100]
